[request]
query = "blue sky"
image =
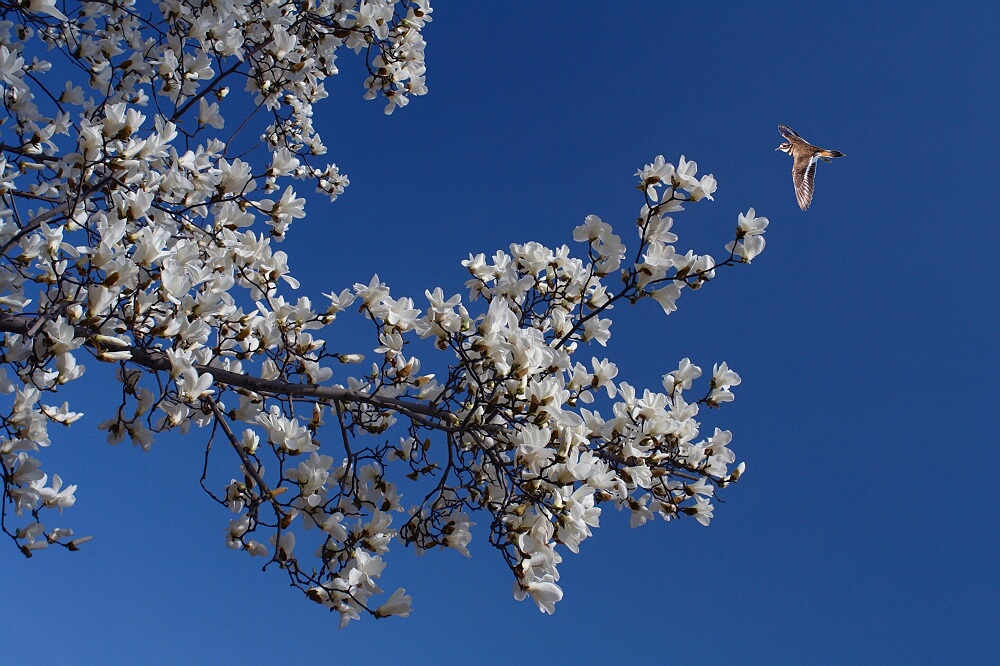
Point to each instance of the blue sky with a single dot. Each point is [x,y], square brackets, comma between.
[864,529]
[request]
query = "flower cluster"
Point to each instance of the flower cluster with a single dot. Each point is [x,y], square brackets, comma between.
[131,234]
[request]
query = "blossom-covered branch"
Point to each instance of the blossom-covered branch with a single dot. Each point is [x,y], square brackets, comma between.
[131,235]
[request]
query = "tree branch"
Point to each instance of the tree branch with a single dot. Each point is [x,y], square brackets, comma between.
[52,213]
[155,359]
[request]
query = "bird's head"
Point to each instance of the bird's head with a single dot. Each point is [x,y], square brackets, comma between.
[785,147]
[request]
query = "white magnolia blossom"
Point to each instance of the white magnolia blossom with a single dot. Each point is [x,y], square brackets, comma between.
[132,235]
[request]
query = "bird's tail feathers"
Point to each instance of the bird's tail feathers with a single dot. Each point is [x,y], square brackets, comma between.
[831,153]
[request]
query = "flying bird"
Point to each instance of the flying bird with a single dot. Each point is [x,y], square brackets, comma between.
[805,156]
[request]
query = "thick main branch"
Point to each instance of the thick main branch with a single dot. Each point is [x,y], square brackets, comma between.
[155,359]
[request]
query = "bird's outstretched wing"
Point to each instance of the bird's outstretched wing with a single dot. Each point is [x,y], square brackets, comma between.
[789,133]
[803,177]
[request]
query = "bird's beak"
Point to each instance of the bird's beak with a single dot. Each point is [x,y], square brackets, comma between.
[778,148]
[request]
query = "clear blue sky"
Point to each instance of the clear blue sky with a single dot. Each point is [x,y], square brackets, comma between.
[865,528]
